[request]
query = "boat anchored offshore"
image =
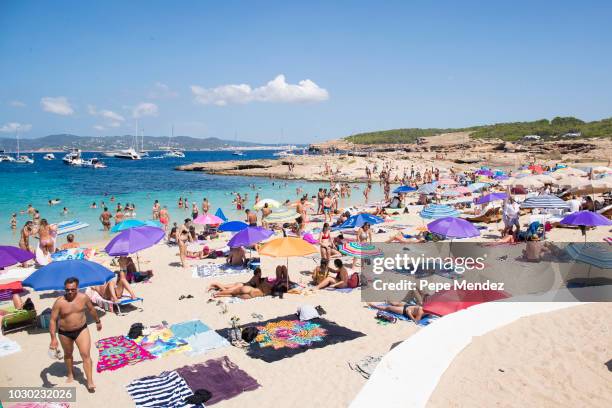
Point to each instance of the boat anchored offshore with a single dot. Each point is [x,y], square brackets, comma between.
[94,162]
[6,158]
[73,158]
[23,159]
[128,154]
[237,153]
[174,153]
[49,156]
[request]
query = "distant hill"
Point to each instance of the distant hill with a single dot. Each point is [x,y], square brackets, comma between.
[90,143]
[512,131]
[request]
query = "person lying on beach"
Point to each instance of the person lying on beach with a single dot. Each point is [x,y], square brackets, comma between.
[341,279]
[198,251]
[237,257]
[254,282]
[400,237]
[413,312]
[246,292]
[18,304]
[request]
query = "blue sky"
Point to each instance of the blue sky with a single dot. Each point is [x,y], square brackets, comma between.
[212,69]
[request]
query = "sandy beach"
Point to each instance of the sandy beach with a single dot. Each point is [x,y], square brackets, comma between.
[540,349]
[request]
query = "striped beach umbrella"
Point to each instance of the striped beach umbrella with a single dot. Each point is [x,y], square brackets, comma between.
[545,201]
[357,250]
[435,211]
[477,186]
[598,255]
[427,189]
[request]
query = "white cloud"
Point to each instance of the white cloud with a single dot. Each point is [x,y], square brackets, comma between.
[145,109]
[98,127]
[114,124]
[105,113]
[13,127]
[58,105]
[162,91]
[277,90]
[17,104]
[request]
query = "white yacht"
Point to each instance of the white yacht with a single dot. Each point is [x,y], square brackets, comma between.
[174,153]
[73,158]
[6,158]
[23,159]
[94,162]
[237,153]
[49,156]
[285,153]
[128,154]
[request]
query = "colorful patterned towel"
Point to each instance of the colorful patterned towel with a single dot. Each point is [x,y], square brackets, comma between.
[165,390]
[162,343]
[286,336]
[73,253]
[210,270]
[220,376]
[119,351]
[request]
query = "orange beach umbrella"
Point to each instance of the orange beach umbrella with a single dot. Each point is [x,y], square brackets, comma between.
[286,247]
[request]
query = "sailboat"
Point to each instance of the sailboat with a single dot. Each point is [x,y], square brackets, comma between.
[237,152]
[22,159]
[142,152]
[173,151]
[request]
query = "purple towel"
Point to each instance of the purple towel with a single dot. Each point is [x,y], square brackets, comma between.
[219,376]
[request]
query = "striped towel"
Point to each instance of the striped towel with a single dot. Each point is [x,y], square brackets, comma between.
[167,389]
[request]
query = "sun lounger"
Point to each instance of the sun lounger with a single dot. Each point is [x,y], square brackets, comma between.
[17,319]
[110,306]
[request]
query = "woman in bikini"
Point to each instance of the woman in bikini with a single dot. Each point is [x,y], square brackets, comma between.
[46,234]
[413,312]
[254,282]
[364,234]
[326,243]
[182,238]
[156,210]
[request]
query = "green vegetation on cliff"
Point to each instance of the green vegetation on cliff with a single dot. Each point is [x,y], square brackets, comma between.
[513,131]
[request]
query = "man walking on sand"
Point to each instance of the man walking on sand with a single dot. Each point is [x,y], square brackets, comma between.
[69,313]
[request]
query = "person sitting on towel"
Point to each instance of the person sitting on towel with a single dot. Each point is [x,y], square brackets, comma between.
[128,270]
[70,243]
[413,312]
[341,279]
[237,257]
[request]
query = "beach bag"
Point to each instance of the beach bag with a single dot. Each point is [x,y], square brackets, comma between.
[44,319]
[353,280]
[249,334]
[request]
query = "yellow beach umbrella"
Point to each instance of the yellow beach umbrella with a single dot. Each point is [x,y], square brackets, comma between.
[286,247]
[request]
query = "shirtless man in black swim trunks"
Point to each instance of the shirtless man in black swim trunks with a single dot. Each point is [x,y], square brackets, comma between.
[69,312]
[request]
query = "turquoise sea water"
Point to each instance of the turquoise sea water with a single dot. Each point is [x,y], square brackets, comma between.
[139,182]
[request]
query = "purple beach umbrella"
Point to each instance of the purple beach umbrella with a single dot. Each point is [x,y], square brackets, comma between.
[133,240]
[491,197]
[451,227]
[10,255]
[249,236]
[585,219]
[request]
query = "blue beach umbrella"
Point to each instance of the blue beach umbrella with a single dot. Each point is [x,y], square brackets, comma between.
[403,190]
[127,224]
[52,276]
[435,211]
[219,213]
[232,226]
[358,220]
[596,254]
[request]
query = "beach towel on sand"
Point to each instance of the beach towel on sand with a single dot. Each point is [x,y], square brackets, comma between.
[162,343]
[8,346]
[423,322]
[199,337]
[287,336]
[167,389]
[119,351]
[220,376]
[210,270]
